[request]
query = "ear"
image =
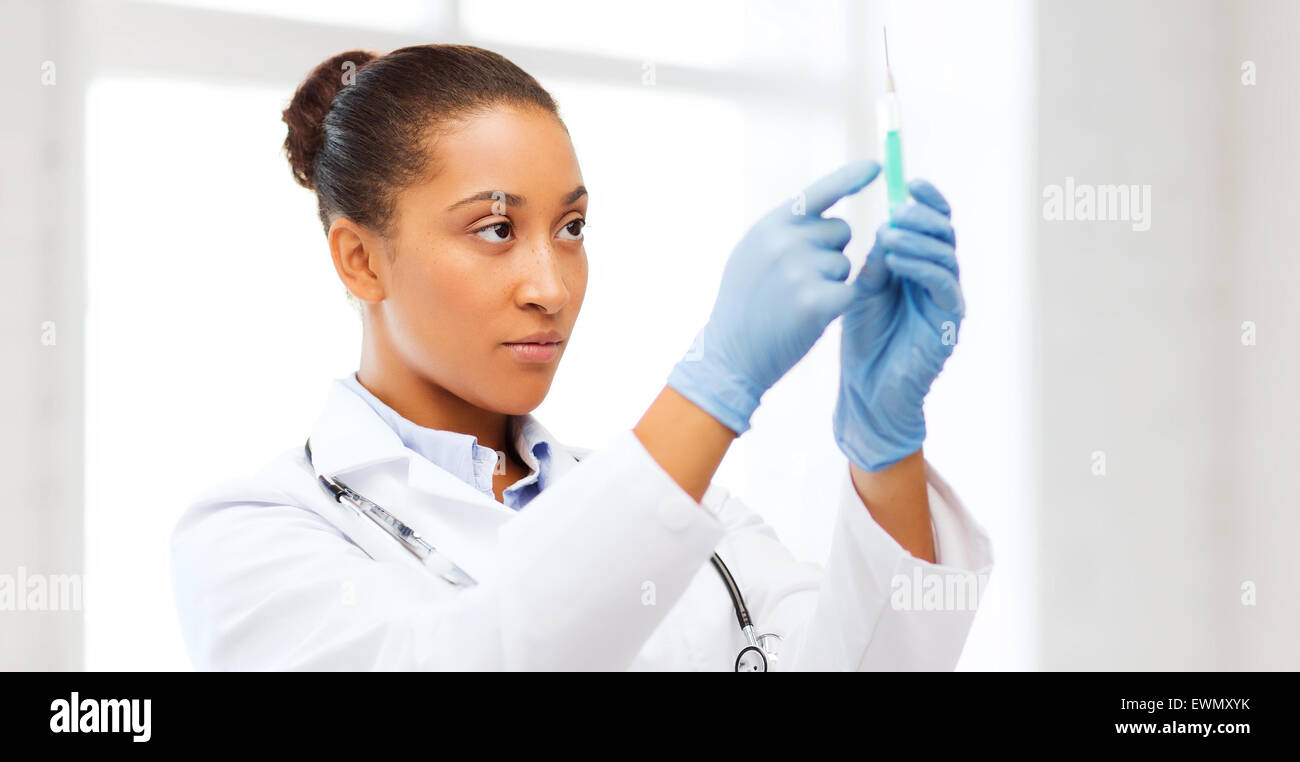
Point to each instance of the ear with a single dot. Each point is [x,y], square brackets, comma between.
[359,258]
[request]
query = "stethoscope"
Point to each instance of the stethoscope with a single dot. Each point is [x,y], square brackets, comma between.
[752,658]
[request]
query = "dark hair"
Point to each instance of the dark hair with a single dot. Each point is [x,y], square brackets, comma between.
[358,123]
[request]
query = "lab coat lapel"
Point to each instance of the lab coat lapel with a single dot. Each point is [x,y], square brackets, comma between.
[349,436]
[454,517]
[468,519]
[352,443]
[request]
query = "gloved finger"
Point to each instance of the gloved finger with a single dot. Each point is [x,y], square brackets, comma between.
[844,181]
[924,219]
[828,233]
[831,264]
[833,299]
[944,323]
[874,274]
[939,283]
[918,245]
[927,194]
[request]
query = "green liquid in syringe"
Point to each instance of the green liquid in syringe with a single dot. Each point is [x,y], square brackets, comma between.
[897,187]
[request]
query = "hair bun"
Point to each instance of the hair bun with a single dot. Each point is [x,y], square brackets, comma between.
[305,114]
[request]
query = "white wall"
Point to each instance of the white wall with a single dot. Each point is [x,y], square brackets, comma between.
[1138,338]
[1260,520]
[41,464]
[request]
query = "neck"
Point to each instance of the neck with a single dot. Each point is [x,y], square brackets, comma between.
[425,403]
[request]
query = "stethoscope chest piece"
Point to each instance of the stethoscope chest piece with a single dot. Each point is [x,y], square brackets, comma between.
[754,657]
[751,659]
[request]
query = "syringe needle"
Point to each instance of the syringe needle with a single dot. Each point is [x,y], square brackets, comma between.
[889,70]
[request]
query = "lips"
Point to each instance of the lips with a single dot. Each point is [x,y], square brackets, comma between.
[540,347]
[541,337]
[529,352]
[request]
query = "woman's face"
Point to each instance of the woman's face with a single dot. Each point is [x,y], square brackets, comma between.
[488,254]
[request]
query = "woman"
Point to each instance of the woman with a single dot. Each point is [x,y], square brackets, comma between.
[453,205]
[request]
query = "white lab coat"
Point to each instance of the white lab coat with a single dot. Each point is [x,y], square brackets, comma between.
[606,569]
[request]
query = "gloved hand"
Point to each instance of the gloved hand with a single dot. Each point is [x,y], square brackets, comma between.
[782,285]
[899,331]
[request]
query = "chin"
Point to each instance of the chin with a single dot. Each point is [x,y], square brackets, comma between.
[522,398]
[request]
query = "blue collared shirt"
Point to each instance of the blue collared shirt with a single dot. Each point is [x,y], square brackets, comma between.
[462,456]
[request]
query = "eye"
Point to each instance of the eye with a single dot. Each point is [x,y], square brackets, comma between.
[496,233]
[573,230]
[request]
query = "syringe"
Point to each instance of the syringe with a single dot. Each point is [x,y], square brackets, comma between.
[890,124]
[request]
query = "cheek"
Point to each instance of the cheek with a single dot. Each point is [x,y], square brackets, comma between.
[578,280]
[444,298]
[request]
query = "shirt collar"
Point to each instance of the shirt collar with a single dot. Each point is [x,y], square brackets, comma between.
[462,455]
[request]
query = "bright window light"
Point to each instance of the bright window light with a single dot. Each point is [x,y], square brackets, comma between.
[210,282]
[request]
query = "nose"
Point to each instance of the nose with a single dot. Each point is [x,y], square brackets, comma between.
[542,282]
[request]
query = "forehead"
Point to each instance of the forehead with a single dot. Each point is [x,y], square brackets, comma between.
[525,151]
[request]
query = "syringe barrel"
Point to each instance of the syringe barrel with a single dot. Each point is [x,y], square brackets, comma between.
[889,120]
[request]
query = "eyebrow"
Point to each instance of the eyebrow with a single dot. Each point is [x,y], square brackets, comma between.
[511,199]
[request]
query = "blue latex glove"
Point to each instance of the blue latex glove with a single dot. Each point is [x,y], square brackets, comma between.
[898,333]
[782,285]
